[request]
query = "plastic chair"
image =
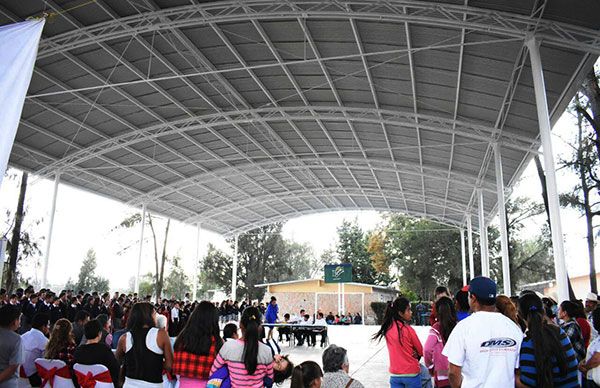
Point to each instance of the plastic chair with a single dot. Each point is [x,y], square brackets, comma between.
[169,380]
[93,376]
[54,373]
[23,380]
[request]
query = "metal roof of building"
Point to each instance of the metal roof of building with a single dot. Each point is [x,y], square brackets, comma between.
[236,114]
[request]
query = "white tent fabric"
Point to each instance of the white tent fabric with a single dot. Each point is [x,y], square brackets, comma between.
[18,50]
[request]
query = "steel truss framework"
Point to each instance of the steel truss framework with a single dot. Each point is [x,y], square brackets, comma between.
[428,13]
[254,160]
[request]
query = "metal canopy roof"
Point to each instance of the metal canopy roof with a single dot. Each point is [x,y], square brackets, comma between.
[236,114]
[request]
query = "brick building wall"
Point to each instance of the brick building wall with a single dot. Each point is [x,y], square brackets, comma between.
[293,302]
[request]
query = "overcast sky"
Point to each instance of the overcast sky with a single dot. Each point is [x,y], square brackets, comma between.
[84,220]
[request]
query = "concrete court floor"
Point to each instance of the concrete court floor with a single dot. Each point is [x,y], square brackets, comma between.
[368,360]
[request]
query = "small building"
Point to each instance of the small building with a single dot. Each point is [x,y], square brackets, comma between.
[314,294]
[580,285]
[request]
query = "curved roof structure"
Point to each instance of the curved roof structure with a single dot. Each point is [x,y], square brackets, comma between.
[236,114]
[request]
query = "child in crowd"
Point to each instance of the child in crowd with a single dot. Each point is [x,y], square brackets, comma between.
[230,332]
[307,375]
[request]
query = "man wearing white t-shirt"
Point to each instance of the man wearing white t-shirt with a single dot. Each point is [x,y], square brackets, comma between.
[483,349]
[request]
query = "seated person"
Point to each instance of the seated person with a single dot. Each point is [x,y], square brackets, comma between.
[320,321]
[283,330]
[10,346]
[336,366]
[95,352]
[304,333]
[34,344]
[357,319]
[330,318]
[230,332]
[282,370]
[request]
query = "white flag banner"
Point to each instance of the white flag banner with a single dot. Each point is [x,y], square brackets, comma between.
[18,50]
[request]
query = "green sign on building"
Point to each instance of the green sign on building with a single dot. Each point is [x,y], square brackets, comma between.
[338,273]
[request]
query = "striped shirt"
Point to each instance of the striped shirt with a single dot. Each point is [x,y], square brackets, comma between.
[528,368]
[231,355]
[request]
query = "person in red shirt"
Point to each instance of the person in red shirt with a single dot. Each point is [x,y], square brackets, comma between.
[197,346]
[404,347]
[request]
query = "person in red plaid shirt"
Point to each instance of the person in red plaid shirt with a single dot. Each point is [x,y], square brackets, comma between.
[61,345]
[197,346]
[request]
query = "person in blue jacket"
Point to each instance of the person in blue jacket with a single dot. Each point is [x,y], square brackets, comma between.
[271,315]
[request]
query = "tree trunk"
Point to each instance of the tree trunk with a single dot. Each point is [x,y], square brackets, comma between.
[161,277]
[591,90]
[16,237]
[586,204]
[155,256]
[542,176]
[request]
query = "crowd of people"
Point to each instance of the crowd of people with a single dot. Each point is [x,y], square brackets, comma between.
[477,339]
[481,339]
[142,344]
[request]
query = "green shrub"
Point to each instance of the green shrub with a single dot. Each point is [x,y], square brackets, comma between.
[379,310]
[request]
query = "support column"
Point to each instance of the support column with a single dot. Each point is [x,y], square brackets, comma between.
[50,229]
[470,237]
[196,264]
[463,256]
[234,271]
[340,299]
[502,217]
[553,205]
[139,264]
[483,243]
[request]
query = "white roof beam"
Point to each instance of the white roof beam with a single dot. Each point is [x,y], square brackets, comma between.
[426,13]
[375,99]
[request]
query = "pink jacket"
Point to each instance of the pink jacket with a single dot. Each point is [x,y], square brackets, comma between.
[434,359]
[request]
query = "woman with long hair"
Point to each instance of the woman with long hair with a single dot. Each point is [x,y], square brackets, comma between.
[403,345]
[61,345]
[249,361]
[145,349]
[197,345]
[547,358]
[307,375]
[508,308]
[435,361]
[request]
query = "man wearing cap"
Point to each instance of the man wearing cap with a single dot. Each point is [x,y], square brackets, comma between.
[591,302]
[483,349]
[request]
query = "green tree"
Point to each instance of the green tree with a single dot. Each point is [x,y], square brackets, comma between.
[584,163]
[146,284]
[216,270]
[427,253]
[176,282]
[160,254]
[264,256]
[87,280]
[352,248]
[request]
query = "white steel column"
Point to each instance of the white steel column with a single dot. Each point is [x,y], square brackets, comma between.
[363,309]
[343,299]
[463,256]
[471,259]
[50,229]
[339,298]
[483,243]
[139,264]
[234,271]
[196,264]
[549,167]
[502,217]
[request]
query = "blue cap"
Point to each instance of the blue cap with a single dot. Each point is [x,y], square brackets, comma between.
[483,288]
